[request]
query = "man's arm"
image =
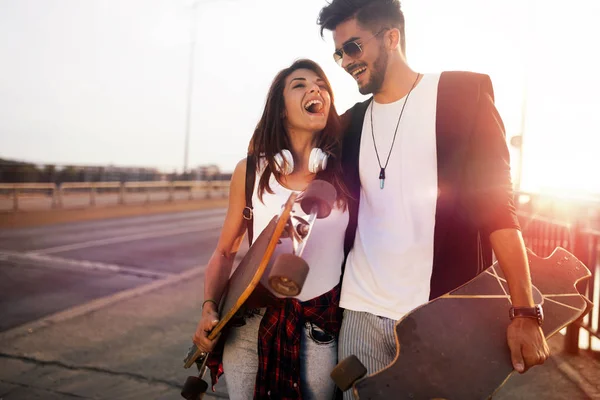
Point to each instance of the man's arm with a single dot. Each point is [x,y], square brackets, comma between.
[496,217]
[509,249]
[525,338]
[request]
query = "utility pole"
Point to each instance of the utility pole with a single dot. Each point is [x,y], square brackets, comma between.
[517,141]
[190,86]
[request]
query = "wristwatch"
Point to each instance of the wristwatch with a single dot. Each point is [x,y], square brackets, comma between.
[536,312]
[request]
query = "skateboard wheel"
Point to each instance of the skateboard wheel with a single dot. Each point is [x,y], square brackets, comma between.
[321,194]
[288,275]
[348,371]
[194,388]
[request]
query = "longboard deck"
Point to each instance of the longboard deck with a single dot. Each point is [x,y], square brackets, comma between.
[247,275]
[454,347]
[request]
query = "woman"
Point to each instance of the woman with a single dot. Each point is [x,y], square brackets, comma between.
[287,349]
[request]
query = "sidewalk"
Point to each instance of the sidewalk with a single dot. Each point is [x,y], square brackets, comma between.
[127,346]
[131,346]
[33,218]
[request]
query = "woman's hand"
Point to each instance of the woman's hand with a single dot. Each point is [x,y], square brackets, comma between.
[209,319]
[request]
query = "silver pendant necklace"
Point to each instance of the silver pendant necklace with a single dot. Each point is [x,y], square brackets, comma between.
[382,168]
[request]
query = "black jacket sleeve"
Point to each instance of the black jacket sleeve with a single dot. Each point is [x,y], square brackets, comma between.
[488,175]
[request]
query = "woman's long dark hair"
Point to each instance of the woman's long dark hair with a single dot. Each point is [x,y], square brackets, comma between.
[270,135]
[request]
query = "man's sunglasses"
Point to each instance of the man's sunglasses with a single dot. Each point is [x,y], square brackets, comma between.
[352,49]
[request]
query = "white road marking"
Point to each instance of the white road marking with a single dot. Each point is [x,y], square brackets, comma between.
[44,261]
[129,238]
[98,304]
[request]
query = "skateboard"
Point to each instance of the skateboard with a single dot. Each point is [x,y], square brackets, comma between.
[287,275]
[454,347]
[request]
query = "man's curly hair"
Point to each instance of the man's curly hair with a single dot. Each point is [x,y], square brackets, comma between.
[371,14]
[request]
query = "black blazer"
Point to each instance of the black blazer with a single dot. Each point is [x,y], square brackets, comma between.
[475,194]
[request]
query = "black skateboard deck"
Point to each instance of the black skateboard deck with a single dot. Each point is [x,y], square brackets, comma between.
[454,347]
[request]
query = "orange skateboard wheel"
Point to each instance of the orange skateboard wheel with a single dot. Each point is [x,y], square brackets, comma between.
[319,194]
[288,275]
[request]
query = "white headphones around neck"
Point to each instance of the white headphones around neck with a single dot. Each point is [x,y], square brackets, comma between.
[316,162]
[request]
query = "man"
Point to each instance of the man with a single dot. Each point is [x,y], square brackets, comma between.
[427,160]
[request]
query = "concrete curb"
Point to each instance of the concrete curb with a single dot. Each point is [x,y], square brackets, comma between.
[97,304]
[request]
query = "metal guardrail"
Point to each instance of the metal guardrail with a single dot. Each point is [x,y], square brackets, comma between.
[57,192]
[548,223]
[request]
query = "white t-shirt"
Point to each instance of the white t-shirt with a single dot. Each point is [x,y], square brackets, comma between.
[324,251]
[388,271]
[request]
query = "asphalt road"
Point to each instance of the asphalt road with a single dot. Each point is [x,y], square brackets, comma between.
[48,269]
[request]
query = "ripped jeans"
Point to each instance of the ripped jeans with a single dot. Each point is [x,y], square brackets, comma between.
[318,356]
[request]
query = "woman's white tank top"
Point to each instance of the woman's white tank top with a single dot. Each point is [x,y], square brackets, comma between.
[324,251]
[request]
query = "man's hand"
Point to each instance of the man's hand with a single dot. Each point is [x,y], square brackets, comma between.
[527,344]
[209,319]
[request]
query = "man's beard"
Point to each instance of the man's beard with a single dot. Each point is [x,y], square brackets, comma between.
[377,74]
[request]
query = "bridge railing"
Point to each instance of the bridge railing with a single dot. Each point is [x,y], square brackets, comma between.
[13,195]
[574,224]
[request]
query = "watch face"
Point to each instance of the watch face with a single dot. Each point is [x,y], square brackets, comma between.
[540,312]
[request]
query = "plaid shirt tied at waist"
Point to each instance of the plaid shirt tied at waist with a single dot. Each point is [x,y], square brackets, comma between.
[278,375]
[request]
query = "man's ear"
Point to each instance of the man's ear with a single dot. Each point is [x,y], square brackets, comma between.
[392,39]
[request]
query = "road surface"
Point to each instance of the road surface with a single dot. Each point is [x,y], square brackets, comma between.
[44,270]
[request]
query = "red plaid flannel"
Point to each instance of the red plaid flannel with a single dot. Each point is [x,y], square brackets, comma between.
[279,343]
[278,375]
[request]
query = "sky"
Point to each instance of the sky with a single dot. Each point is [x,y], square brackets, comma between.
[100,82]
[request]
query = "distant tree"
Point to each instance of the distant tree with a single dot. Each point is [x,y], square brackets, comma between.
[28,173]
[18,172]
[99,176]
[48,173]
[68,174]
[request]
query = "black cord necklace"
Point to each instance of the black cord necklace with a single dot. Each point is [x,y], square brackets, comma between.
[382,170]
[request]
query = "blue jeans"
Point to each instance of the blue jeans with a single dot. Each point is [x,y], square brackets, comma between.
[318,356]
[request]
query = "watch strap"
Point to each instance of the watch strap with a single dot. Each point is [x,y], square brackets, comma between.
[535,312]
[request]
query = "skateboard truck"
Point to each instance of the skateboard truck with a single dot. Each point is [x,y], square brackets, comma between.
[194,386]
[290,270]
[303,230]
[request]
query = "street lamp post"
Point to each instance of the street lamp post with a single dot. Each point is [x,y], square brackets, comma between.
[190,86]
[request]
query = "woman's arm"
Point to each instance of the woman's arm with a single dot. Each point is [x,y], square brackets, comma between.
[219,266]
